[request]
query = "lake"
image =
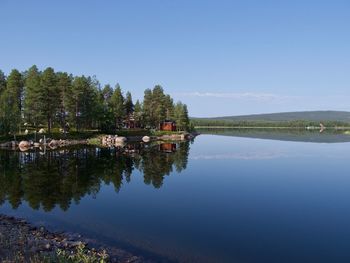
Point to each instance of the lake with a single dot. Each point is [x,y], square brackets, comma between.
[224,197]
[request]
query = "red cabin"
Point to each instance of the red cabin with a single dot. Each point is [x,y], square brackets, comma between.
[167,126]
[130,122]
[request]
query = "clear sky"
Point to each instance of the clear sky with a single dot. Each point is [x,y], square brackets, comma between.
[220,57]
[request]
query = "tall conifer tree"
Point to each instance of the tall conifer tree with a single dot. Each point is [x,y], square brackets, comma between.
[32,106]
[49,96]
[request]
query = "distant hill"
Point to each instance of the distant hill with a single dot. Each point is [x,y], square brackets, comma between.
[340,116]
[295,135]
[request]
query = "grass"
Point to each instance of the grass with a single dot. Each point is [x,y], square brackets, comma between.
[160,133]
[56,135]
[82,255]
[78,255]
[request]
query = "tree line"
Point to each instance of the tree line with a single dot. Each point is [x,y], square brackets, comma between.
[61,100]
[202,122]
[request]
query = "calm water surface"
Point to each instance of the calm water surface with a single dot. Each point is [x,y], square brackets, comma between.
[218,199]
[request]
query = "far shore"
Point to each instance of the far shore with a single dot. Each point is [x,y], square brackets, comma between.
[269,127]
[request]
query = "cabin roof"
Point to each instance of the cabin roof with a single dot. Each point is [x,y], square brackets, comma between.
[168,121]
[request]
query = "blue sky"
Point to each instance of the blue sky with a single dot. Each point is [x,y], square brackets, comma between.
[220,57]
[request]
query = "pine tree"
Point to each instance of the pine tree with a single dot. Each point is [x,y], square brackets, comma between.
[169,106]
[2,82]
[91,103]
[75,102]
[181,116]
[48,96]
[32,110]
[128,104]
[15,89]
[2,102]
[160,110]
[106,118]
[117,106]
[185,118]
[148,108]
[138,114]
[107,93]
[9,114]
[64,85]
[11,102]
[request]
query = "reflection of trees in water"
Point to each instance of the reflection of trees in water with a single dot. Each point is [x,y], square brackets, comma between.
[60,177]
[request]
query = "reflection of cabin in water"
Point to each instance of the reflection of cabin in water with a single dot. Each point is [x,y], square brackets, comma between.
[167,147]
[133,148]
[167,126]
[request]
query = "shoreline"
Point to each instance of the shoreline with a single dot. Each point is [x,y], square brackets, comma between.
[21,241]
[100,140]
[270,127]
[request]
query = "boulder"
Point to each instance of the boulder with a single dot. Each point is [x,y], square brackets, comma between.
[24,144]
[62,142]
[53,143]
[146,138]
[120,139]
[41,130]
[23,149]
[120,144]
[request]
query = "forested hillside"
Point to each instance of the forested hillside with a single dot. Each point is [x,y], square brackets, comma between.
[285,119]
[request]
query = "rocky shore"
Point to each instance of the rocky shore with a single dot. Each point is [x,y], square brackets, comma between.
[23,242]
[49,144]
[101,140]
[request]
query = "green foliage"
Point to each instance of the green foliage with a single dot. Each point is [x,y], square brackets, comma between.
[10,102]
[32,104]
[9,114]
[82,255]
[14,89]
[138,113]
[55,100]
[2,82]
[181,116]
[128,104]
[158,107]
[117,106]
[64,84]
[48,96]
[312,116]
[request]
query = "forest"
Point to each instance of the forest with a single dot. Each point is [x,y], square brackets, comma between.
[60,100]
[207,122]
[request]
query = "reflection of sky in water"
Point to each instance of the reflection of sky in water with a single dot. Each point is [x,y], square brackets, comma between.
[212,147]
[239,200]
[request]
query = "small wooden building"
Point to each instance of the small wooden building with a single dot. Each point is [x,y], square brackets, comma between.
[130,123]
[167,126]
